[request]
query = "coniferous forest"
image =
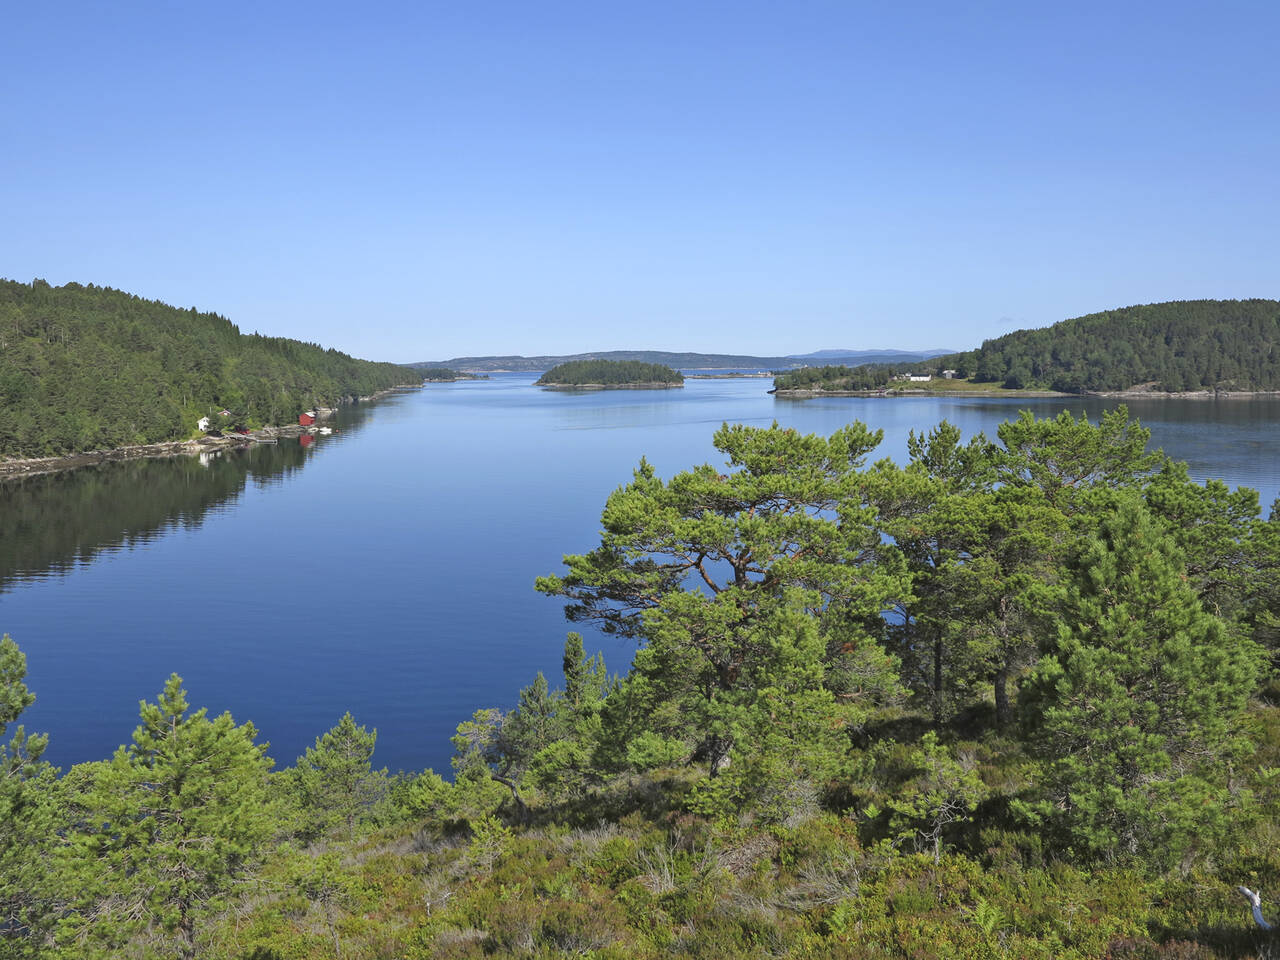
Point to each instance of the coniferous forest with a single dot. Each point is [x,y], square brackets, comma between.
[1016,697]
[610,373]
[86,367]
[1183,345]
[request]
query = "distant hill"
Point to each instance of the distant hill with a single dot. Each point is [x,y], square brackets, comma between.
[1181,345]
[87,367]
[680,361]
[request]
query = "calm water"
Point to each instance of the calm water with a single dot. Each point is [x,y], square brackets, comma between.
[388,569]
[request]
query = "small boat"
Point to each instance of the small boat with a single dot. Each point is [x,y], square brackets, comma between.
[325,430]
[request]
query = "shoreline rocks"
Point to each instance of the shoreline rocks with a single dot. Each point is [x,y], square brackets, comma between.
[609,386]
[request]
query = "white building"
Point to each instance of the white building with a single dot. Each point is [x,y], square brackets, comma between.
[202,424]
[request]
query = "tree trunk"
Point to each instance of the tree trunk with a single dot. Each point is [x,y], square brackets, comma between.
[522,808]
[1003,709]
[186,933]
[937,680]
[717,752]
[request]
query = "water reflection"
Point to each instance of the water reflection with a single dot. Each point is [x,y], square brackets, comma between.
[53,523]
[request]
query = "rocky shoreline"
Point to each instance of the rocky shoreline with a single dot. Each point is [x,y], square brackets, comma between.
[1186,394]
[1014,394]
[889,393]
[36,466]
[609,386]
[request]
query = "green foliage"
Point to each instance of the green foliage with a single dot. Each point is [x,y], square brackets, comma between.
[172,820]
[737,582]
[335,780]
[1136,709]
[609,373]
[824,647]
[648,750]
[85,367]
[444,374]
[26,818]
[1261,581]
[1184,345]
[835,378]
[946,791]
[1068,459]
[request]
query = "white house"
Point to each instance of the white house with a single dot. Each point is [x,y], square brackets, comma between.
[924,378]
[202,424]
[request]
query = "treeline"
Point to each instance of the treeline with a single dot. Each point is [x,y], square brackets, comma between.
[609,372]
[444,373]
[836,378]
[1178,346]
[1015,697]
[85,367]
[1184,345]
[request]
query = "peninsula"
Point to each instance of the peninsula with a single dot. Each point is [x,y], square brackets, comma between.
[1183,347]
[610,375]
[88,368]
[448,375]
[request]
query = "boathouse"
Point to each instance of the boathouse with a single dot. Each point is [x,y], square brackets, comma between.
[307,419]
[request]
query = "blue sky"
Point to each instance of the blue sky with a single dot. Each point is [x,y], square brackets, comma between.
[423,180]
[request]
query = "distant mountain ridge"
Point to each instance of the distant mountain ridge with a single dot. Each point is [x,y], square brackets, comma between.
[685,361]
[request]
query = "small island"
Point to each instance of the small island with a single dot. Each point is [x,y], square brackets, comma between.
[610,375]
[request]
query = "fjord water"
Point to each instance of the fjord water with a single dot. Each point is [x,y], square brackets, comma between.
[388,569]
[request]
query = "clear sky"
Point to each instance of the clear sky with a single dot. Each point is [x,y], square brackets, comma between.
[412,181]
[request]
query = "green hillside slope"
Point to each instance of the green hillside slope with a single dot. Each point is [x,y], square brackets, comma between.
[1176,346]
[1182,345]
[85,367]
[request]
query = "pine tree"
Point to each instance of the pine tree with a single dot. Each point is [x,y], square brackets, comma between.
[1135,708]
[26,787]
[174,819]
[698,567]
[336,779]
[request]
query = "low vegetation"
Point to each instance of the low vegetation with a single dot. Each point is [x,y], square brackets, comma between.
[609,373]
[85,368]
[1013,698]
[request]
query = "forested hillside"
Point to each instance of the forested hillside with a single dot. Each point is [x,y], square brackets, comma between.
[1013,698]
[1184,345]
[85,367]
[1177,346]
[609,373]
